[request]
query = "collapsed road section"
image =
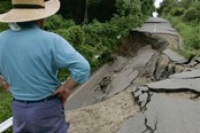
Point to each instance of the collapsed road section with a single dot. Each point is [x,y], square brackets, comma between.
[148,88]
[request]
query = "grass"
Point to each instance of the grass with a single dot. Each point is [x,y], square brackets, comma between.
[190,34]
[5,107]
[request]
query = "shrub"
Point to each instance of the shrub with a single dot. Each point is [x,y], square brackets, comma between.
[181,27]
[179,11]
[74,34]
[5,6]
[126,7]
[174,20]
[56,22]
[5,105]
[193,40]
[191,15]
[3,26]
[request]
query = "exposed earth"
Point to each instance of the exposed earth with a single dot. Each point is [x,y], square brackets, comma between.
[148,88]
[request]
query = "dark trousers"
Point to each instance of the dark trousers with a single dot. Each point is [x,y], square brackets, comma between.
[39,117]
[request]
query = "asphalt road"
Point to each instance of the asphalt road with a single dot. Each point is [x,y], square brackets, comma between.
[170,105]
[157,25]
[86,94]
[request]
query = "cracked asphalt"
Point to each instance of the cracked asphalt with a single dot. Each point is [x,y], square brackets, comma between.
[150,91]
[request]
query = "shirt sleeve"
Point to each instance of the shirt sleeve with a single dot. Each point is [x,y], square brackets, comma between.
[65,56]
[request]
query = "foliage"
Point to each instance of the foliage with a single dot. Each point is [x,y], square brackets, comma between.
[5,108]
[3,26]
[179,11]
[125,7]
[82,11]
[101,10]
[58,22]
[165,6]
[74,34]
[147,7]
[79,10]
[5,6]
[193,40]
[191,14]
[185,17]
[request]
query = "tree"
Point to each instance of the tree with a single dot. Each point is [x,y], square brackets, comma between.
[84,11]
[147,7]
[167,5]
[125,7]
[5,5]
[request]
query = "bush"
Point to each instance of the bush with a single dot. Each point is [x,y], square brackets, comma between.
[181,27]
[190,33]
[5,6]
[5,105]
[74,34]
[126,7]
[125,23]
[191,14]
[197,5]
[56,22]
[189,52]
[174,20]
[179,11]
[193,39]
[3,26]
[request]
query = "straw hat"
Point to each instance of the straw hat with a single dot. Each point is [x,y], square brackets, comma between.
[30,10]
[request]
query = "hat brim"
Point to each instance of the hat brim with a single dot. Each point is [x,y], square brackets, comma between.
[26,15]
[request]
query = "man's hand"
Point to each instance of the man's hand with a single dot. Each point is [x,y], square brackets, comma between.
[63,92]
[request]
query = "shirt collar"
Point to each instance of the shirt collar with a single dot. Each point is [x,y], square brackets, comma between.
[14,27]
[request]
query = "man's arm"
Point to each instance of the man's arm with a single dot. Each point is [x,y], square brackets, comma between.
[66,89]
[65,56]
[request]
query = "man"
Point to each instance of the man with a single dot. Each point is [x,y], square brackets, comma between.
[29,61]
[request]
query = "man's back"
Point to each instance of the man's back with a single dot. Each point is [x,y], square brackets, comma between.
[28,62]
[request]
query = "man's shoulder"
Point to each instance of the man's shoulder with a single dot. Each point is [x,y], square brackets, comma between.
[51,34]
[4,32]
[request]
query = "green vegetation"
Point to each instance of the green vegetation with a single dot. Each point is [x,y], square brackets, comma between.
[185,17]
[5,106]
[94,27]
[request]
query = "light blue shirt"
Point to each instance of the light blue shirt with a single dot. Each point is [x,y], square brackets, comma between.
[30,60]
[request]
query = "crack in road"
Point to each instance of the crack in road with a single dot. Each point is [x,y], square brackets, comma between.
[148,99]
[161,108]
[149,128]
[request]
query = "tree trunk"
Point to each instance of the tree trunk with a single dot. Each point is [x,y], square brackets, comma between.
[86,12]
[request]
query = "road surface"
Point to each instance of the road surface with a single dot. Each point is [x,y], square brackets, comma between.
[150,92]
